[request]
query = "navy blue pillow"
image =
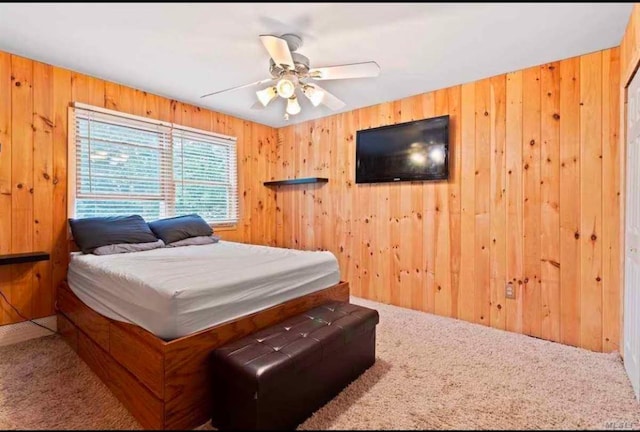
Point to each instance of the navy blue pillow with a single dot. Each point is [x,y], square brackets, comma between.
[91,233]
[180,227]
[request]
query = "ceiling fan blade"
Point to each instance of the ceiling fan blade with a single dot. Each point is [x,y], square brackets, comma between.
[278,49]
[238,87]
[330,100]
[257,106]
[355,70]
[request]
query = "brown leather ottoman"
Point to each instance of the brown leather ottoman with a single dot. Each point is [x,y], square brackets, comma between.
[277,377]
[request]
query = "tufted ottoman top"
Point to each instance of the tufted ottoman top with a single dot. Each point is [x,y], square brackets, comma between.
[298,342]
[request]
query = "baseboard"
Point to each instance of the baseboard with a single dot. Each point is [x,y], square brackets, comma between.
[14,333]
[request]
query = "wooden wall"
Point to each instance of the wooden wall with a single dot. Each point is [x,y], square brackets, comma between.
[533,200]
[34,98]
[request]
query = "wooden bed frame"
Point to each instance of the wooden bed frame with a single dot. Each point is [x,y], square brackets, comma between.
[165,385]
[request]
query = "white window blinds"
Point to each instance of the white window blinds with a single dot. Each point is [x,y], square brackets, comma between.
[132,165]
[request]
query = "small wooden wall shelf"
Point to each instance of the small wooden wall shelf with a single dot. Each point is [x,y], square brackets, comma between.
[20,258]
[297,181]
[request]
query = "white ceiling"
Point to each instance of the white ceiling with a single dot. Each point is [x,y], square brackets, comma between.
[182,51]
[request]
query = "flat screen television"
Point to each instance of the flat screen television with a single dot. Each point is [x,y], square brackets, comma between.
[411,151]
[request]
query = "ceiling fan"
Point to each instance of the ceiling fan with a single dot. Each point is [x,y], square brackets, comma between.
[291,73]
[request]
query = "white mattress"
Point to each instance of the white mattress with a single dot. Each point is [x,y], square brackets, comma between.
[173,292]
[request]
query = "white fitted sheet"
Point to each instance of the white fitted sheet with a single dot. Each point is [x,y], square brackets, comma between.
[173,292]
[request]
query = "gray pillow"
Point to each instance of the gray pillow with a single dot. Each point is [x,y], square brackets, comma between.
[91,233]
[178,228]
[194,241]
[127,247]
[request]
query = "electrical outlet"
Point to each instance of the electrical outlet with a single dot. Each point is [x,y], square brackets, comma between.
[509,291]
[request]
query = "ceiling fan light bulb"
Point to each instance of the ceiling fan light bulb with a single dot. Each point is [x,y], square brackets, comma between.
[266,95]
[314,95]
[293,107]
[285,88]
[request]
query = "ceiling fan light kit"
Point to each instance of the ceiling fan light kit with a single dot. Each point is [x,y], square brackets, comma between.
[286,86]
[266,95]
[291,72]
[293,107]
[314,95]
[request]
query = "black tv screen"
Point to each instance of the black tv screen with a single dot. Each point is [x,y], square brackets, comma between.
[416,150]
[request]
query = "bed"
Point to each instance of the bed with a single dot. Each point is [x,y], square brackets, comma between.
[145,322]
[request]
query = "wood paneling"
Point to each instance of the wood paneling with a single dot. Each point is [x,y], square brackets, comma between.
[34,100]
[466,305]
[6,183]
[591,200]
[22,181]
[528,203]
[498,209]
[513,193]
[612,229]
[42,294]
[482,201]
[531,321]
[570,317]
[550,200]
[512,211]
[59,247]
[442,231]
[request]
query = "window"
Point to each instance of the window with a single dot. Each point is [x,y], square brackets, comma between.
[132,165]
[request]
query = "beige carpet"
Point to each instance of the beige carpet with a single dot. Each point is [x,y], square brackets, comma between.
[431,373]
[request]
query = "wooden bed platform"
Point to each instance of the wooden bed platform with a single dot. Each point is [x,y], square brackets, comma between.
[165,385]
